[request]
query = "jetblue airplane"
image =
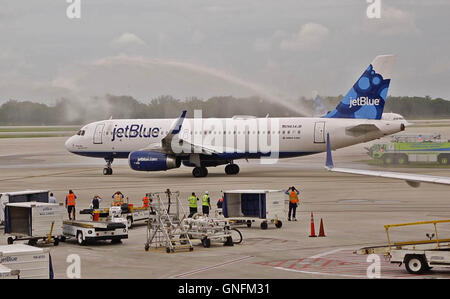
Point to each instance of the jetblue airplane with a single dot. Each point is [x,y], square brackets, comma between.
[163,144]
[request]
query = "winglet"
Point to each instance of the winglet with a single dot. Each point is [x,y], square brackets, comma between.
[329,163]
[177,127]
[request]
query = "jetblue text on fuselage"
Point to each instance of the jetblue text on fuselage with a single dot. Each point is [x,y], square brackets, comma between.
[364,101]
[134,131]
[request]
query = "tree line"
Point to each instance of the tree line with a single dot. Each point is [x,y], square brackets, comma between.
[75,112]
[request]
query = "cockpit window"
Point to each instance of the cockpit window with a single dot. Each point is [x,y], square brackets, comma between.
[81,133]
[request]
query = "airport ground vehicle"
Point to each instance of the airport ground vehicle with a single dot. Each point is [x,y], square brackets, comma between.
[412,148]
[31,262]
[130,213]
[21,196]
[418,256]
[248,206]
[34,221]
[85,231]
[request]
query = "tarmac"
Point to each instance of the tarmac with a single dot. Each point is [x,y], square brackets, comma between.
[353,208]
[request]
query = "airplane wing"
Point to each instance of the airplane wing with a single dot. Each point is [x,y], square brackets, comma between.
[413,180]
[183,147]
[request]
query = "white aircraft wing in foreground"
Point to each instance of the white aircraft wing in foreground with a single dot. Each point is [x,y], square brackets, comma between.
[413,180]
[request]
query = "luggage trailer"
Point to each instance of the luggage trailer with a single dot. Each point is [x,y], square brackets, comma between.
[249,206]
[417,256]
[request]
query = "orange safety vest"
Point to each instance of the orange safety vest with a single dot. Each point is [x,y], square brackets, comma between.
[293,198]
[145,202]
[70,199]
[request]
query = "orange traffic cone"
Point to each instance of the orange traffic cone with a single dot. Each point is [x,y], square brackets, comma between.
[313,232]
[321,230]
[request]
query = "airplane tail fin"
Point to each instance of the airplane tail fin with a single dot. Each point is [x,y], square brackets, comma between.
[368,95]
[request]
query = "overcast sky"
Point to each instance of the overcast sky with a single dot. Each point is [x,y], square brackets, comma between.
[204,48]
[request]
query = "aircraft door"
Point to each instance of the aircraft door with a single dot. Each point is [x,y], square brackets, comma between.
[319,132]
[98,134]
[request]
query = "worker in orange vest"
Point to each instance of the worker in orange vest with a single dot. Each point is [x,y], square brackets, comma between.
[70,204]
[117,199]
[293,202]
[146,201]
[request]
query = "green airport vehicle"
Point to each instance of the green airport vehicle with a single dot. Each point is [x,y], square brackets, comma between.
[411,149]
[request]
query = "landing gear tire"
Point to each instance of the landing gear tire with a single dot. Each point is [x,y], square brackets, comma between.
[108,170]
[232,169]
[200,172]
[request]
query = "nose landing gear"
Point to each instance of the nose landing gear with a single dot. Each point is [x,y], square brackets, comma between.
[108,170]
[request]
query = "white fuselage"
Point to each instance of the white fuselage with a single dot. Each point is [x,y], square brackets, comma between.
[231,138]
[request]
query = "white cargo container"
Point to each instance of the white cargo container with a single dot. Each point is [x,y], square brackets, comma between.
[21,196]
[248,206]
[32,262]
[7,273]
[33,221]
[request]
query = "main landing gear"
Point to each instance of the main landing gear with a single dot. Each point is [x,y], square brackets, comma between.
[232,169]
[200,172]
[108,170]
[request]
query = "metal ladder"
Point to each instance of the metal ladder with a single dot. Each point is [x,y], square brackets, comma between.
[165,230]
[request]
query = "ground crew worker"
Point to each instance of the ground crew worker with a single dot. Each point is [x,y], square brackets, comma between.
[117,199]
[206,204]
[220,202]
[146,201]
[52,199]
[192,204]
[293,202]
[96,202]
[70,204]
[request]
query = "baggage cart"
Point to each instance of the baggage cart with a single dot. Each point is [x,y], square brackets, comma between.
[210,229]
[34,221]
[32,262]
[21,196]
[249,206]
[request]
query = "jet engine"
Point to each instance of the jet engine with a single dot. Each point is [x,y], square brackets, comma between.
[152,161]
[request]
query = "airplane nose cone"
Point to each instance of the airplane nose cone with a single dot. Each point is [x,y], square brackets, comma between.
[68,144]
